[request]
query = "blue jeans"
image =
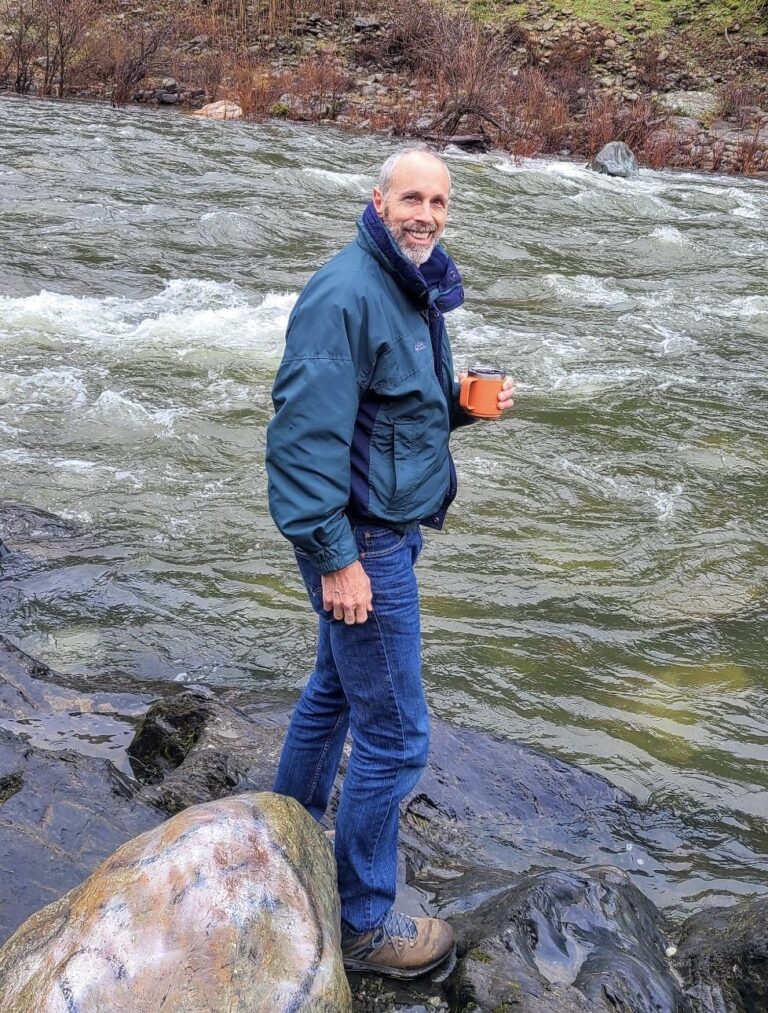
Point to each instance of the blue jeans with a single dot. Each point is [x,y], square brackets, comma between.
[367,679]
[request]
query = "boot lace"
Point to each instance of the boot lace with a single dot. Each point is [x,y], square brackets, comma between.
[399,929]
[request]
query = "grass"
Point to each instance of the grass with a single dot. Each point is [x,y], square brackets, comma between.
[654,16]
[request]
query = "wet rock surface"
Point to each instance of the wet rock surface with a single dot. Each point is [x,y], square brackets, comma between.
[587,941]
[229,906]
[61,810]
[18,522]
[60,815]
[508,806]
[191,748]
[723,954]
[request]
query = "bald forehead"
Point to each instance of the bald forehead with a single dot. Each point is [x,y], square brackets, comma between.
[421,168]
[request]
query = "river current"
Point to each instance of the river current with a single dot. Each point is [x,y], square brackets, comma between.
[600,588]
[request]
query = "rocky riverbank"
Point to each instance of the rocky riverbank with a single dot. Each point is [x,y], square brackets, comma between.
[535,861]
[684,88]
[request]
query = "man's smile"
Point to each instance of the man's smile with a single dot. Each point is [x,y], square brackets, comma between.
[420,233]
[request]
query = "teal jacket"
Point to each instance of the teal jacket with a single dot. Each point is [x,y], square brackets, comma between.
[365,398]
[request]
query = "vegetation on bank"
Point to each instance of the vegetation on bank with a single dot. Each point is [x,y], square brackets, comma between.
[531,77]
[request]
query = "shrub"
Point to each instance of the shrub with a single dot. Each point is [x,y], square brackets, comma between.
[740,101]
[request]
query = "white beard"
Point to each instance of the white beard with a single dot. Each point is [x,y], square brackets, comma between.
[417,255]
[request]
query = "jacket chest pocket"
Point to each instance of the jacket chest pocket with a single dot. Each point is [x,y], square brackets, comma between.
[400,360]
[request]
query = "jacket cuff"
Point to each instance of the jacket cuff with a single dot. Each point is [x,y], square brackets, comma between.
[336,557]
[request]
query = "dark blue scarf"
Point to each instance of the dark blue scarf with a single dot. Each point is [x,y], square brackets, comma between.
[437,283]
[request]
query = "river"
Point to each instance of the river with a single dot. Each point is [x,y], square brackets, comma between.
[600,589]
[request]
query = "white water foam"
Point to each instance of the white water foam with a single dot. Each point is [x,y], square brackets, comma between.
[746,211]
[187,313]
[48,387]
[746,306]
[586,289]
[665,502]
[356,180]
[117,409]
[669,234]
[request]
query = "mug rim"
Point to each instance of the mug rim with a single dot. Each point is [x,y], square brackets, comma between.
[489,372]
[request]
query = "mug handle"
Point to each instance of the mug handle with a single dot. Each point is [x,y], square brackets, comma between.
[466,387]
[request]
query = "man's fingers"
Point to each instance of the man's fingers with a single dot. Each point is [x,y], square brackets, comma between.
[347,594]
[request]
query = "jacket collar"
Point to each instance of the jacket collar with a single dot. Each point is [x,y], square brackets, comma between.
[437,282]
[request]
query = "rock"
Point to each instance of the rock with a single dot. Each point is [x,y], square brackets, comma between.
[466,142]
[21,523]
[223,110]
[363,24]
[489,808]
[229,906]
[696,104]
[168,98]
[723,957]
[615,159]
[169,84]
[61,812]
[583,942]
[60,815]
[191,748]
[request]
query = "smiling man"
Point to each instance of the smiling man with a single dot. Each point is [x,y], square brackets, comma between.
[358,461]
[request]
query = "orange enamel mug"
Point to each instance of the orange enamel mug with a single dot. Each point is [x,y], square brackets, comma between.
[480,391]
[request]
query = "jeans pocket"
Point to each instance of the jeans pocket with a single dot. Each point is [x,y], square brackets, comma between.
[374,542]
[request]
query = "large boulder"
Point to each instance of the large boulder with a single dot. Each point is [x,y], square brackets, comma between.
[223,110]
[586,942]
[615,159]
[723,956]
[229,906]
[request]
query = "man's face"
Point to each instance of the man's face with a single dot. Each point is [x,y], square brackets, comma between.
[416,205]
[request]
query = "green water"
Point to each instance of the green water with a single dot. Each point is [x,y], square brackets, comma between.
[600,589]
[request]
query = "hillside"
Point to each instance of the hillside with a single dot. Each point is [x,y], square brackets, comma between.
[685,83]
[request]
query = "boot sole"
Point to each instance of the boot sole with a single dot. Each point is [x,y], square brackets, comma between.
[397,972]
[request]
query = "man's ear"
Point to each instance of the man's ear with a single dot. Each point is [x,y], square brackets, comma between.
[378,202]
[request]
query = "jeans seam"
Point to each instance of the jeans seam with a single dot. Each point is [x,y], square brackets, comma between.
[321,759]
[400,768]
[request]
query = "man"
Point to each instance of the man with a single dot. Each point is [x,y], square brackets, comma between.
[358,459]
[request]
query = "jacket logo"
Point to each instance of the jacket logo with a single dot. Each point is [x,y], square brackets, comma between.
[419,346]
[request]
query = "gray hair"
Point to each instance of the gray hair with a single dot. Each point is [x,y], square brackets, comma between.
[387,170]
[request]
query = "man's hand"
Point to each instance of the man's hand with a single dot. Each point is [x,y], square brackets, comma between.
[507,394]
[347,592]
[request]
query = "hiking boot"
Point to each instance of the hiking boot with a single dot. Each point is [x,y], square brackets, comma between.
[401,947]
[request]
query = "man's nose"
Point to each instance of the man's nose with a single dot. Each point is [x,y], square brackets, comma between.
[425,212]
